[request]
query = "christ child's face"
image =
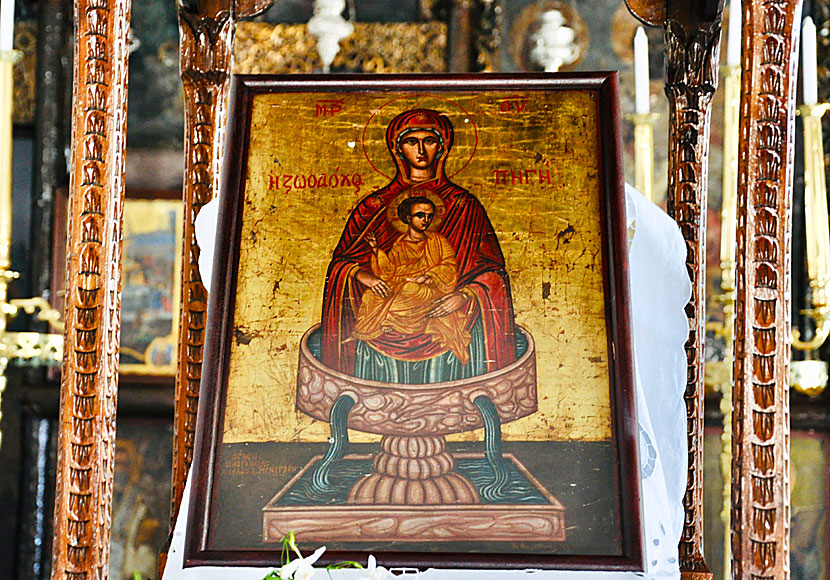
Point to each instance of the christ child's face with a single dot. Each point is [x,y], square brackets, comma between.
[420,148]
[420,216]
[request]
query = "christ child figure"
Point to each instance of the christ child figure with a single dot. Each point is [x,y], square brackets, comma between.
[419,270]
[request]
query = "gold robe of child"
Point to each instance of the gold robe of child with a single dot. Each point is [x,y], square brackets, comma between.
[406,308]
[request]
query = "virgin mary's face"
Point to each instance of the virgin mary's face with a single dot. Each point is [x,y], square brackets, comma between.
[420,148]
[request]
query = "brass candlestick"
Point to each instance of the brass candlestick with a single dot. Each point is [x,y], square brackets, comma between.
[810,377]
[28,347]
[644,152]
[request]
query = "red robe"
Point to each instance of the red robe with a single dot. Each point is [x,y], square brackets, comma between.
[481,273]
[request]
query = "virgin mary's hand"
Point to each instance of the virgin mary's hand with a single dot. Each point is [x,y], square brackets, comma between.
[373,283]
[448,304]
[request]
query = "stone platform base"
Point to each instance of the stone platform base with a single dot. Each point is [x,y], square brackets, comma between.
[328,522]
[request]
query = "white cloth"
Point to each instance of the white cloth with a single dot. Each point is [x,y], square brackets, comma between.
[660,289]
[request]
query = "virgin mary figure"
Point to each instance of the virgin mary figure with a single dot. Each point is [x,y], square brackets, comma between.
[419,140]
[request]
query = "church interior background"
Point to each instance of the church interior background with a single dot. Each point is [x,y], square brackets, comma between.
[399,36]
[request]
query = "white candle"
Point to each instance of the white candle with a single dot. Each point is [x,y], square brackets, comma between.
[641,88]
[810,66]
[733,39]
[6,25]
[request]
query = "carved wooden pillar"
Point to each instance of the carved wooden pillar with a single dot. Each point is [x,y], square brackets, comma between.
[206,32]
[89,384]
[692,50]
[760,450]
[693,30]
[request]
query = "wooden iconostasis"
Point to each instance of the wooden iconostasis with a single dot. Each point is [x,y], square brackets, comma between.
[400,36]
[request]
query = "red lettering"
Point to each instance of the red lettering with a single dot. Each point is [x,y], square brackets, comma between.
[515,103]
[521,176]
[327,107]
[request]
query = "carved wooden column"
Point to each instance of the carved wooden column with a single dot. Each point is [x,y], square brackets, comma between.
[760,450]
[693,30]
[693,33]
[89,384]
[206,32]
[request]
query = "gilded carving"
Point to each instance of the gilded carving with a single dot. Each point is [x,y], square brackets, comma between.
[691,79]
[760,465]
[262,48]
[89,378]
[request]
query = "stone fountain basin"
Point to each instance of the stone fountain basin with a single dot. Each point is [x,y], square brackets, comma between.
[428,409]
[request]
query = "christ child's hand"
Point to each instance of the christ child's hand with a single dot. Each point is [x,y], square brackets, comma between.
[422,279]
[372,241]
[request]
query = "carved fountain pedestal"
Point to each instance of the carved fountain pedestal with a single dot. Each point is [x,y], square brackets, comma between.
[414,488]
[413,470]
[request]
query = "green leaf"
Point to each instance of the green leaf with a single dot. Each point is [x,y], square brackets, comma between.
[341,565]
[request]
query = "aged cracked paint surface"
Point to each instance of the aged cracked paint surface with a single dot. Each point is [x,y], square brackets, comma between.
[506,147]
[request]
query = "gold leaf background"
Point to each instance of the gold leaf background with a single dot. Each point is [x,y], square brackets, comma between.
[550,236]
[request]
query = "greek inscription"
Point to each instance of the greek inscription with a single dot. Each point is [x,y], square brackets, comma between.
[289,182]
[327,107]
[242,463]
[512,104]
[503,177]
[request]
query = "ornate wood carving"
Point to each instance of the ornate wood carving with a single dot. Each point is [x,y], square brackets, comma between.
[692,50]
[760,450]
[374,47]
[90,370]
[206,30]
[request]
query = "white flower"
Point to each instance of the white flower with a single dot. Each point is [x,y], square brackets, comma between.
[375,572]
[301,568]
